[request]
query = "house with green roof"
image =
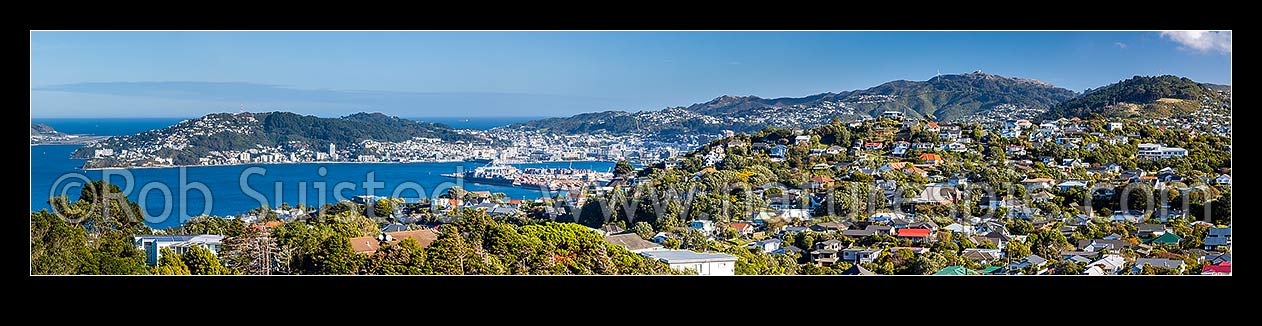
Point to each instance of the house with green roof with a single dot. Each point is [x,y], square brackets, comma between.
[955,270]
[1168,238]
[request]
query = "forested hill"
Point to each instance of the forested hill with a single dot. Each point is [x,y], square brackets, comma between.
[943,97]
[1142,96]
[189,140]
[948,97]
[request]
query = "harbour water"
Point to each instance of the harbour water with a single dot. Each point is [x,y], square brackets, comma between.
[52,163]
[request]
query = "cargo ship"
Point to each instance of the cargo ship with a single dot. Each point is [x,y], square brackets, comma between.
[499,175]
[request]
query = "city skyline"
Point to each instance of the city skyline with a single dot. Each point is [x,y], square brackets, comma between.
[426,74]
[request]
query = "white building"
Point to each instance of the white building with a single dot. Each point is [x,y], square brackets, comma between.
[1107,265]
[703,263]
[103,152]
[1154,151]
[333,151]
[1115,125]
[706,227]
[153,244]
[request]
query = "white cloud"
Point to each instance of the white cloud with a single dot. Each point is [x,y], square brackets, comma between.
[1203,41]
[1120,45]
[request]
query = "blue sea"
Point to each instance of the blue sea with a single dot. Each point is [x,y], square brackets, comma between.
[53,171]
[107,127]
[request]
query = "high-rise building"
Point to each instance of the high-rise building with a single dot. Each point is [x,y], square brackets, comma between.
[332,151]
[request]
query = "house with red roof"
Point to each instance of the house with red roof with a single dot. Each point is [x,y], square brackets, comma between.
[931,158]
[821,181]
[1223,268]
[933,127]
[744,229]
[915,234]
[872,146]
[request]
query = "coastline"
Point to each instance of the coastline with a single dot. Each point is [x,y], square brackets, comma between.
[328,162]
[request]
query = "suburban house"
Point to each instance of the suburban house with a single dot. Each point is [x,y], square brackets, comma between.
[1037,183]
[1223,268]
[900,148]
[918,235]
[932,127]
[860,255]
[788,250]
[1168,238]
[931,158]
[702,263]
[1215,237]
[829,227]
[857,269]
[872,146]
[825,253]
[820,181]
[780,151]
[1014,150]
[768,245]
[803,139]
[1070,184]
[1031,260]
[369,245]
[956,270]
[1156,151]
[1099,244]
[1149,230]
[743,229]
[153,244]
[936,195]
[961,229]
[981,256]
[1157,262]
[632,242]
[1223,179]
[706,227]
[1108,265]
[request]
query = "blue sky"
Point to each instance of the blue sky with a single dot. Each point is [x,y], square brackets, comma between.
[462,74]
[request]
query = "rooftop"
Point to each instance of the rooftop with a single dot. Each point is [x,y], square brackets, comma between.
[687,256]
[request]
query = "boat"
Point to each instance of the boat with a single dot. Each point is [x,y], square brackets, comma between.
[493,174]
[478,160]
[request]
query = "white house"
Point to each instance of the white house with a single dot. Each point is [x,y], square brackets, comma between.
[153,244]
[862,255]
[1107,265]
[703,263]
[1223,179]
[768,245]
[706,227]
[1155,151]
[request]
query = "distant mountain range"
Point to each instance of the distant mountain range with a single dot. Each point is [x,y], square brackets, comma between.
[190,140]
[1140,96]
[944,97]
